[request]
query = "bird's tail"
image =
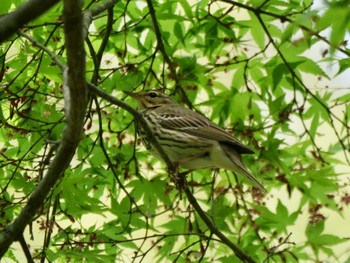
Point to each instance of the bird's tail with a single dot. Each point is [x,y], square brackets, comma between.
[239,167]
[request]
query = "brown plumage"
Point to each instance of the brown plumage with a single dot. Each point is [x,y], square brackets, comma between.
[189,138]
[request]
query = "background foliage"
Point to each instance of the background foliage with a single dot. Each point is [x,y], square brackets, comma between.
[262,69]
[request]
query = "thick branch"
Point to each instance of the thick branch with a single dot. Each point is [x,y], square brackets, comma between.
[76,94]
[30,10]
[75,105]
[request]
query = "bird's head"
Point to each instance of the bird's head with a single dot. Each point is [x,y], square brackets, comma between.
[149,99]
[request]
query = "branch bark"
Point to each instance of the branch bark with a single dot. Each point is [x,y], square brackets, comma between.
[75,106]
[13,21]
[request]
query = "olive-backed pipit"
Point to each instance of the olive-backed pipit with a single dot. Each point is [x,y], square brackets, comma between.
[188,138]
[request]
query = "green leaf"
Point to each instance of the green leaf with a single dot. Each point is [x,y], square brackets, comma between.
[310,66]
[257,31]
[179,32]
[279,71]
[344,64]
[5,7]
[279,220]
[176,225]
[313,231]
[187,9]
[337,17]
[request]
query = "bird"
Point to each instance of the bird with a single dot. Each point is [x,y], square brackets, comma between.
[189,138]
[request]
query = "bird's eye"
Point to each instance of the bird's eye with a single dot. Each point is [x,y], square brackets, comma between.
[152,94]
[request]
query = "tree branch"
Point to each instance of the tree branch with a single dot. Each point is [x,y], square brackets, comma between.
[258,12]
[30,10]
[88,14]
[75,106]
[238,252]
[138,117]
[44,48]
[25,248]
[76,94]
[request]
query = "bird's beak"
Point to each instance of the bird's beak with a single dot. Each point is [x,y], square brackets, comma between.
[131,94]
[136,97]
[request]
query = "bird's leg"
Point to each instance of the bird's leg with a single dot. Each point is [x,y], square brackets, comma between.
[179,179]
[173,172]
[176,176]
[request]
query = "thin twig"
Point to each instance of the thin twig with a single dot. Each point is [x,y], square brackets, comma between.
[165,55]
[287,19]
[330,114]
[239,253]
[45,49]
[25,248]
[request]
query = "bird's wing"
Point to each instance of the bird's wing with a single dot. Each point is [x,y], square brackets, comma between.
[193,123]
